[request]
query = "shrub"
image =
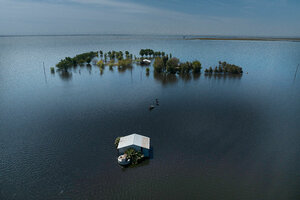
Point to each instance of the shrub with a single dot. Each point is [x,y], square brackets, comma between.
[111,63]
[158,64]
[117,140]
[100,63]
[172,65]
[216,70]
[196,65]
[88,60]
[134,156]
[125,63]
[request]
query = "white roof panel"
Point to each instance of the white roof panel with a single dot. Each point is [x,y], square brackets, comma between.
[134,139]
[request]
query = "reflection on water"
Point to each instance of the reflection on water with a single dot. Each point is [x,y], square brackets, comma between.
[163,78]
[123,69]
[223,76]
[65,74]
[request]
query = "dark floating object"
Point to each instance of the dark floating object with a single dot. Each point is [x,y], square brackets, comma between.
[151,107]
[157,103]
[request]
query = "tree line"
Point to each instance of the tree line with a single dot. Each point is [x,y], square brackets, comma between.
[163,63]
[225,68]
[173,65]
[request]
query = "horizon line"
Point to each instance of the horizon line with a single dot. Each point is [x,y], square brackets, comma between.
[210,36]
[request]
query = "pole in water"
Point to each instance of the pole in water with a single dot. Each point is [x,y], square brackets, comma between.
[45,72]
[296,72]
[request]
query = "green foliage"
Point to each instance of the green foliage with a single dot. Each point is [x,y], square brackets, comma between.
[147,52]
[196,65]
[184,68]
[172,65]
[100,64]
[117,140]
[165,59]
[147,71]
[78,59]
[125,63]
[225,68]
[134,156]
[52,70]
[163,63]
[158,64]
[216,70]
[88,60]
[111,63]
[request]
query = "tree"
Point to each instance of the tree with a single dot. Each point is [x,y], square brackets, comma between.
[172,65]
[100,64]
[165,59]
[196,65]
[88,60]
[127,54]
[216,70]
[158,64]
[183,68]
[220,69]
[105,57]
[142,52]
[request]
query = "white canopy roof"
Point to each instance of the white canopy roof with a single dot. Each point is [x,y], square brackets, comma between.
[146,60]
[134,139]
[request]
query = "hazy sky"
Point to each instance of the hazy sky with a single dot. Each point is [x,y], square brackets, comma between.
[202,17]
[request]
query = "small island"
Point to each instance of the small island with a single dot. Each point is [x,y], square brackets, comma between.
[132,149]
[163,63]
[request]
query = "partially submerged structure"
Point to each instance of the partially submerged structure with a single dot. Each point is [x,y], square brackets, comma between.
[135,141]
[145,62]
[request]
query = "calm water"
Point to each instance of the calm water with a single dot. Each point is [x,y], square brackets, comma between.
[212,137]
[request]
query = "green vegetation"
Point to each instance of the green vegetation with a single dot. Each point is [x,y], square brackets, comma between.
[52,70]
[117,140]
[163,63]
[151,53]
[135,156]
[77,60]
[158,65]
[174,66]
[100,63]
[196,66]
[225,68]
[125,63]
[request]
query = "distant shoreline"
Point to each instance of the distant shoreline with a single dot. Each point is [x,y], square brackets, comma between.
[248,39]
[184,37]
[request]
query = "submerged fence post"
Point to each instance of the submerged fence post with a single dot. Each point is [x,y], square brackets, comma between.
[296,72]
[45,72]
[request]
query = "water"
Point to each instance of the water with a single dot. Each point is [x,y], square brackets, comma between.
[212,137]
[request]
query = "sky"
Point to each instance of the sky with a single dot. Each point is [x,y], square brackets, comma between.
[171,17]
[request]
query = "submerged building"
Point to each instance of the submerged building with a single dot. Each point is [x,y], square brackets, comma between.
[138,142]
